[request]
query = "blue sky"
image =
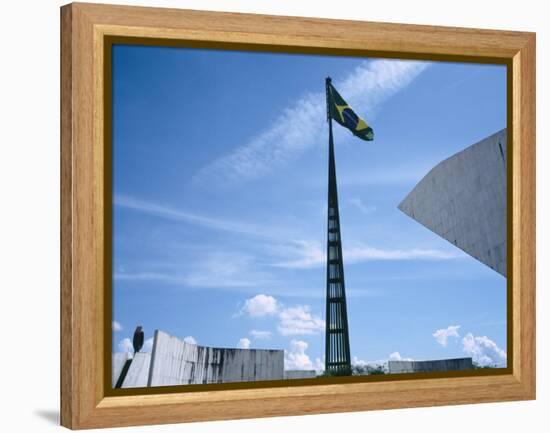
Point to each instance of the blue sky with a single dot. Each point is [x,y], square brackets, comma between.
[219,216]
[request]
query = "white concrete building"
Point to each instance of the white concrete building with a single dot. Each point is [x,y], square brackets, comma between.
[456,364]
[175,362]
[463,200]
[300,374]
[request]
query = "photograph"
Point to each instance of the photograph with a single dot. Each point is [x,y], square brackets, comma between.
[284,216]
[273,217]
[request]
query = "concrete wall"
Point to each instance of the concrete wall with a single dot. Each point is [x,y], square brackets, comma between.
[430,366]
[463,200]
[138,373]
[119,359]
[175,362]
[300,374]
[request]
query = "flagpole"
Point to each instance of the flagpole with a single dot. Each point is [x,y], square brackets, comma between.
[337,351]
[328,82]
[330,161]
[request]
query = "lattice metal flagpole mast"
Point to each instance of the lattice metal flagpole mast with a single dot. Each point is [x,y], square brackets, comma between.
[337,353]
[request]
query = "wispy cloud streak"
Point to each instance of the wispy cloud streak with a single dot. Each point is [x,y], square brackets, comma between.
[301,125]
[215,270]
[189,217]
[312,255]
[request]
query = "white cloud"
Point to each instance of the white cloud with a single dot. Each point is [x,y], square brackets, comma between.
[299,321]
[244,343]
[300,126]
[366,365]
[260,335]
[295,320]
[125,345]
[442,335]
[359,204]
[311,255]
[484,351]
[189,339]
[296,358]
[359,362]
[260,305]
[396,356]
[116,326]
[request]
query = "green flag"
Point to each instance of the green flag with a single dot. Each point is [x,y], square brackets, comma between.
[341,112]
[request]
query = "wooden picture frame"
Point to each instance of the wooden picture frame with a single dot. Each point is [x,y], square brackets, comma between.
[86,32]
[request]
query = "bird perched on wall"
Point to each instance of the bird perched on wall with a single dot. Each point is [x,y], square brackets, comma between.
[138,339]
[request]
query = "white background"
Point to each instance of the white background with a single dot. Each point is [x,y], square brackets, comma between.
[29,229]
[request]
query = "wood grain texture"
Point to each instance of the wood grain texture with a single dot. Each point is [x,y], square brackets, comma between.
[84,403]
[524,216]
[68,393]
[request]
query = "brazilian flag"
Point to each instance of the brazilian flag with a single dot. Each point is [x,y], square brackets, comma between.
[345,116]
